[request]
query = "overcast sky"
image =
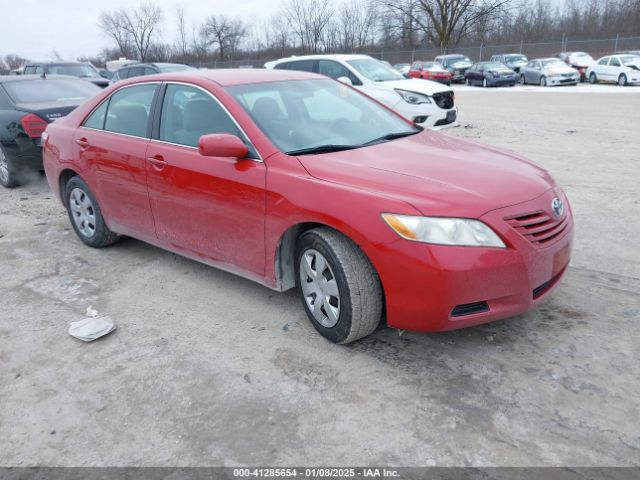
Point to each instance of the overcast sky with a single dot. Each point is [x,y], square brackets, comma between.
[35,28]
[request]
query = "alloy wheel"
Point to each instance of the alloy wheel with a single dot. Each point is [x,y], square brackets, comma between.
[83,212]
[319,288]
[4,168]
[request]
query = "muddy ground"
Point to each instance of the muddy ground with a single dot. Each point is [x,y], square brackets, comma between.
[209,369]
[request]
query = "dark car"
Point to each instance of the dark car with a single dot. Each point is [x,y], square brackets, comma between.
[140,69]
[28,103]
[85,71]
[512,60]
[490,74]
[456,64]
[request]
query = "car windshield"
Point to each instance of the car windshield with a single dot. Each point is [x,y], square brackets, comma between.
[174,68]
[515,58]
[489,66]
[458,60]
[431,65]
[630,60]
[50,90]
[76,70]
[315,116]
[553,63]
[375,70]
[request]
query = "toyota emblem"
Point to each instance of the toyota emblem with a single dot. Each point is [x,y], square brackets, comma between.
[557,207]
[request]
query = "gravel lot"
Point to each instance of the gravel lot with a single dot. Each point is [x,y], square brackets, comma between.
[209,369]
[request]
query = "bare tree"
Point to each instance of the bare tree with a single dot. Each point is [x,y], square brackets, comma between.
[356,21]
[183,42]
[308,19]
[136,27]
[225,33]
[446,22]
[14,61]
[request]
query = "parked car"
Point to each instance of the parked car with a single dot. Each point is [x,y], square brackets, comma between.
[74,69]
[620,69]
[425,103]
[141,69]
[515,61]
[430,71]
[548,71]
[28,103]
[578,60]
[293,179]
[490,74]
[403,68]
[456,64]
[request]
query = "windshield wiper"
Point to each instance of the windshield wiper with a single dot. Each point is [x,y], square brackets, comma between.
[321,149]
[388,137]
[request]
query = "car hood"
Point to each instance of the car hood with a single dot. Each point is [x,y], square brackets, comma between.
[460,65]
[436,173]
[566,69]
[517,63]
[501,70]
[416,85]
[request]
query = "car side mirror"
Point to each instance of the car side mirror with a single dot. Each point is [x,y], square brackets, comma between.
[222,145]
[345,80]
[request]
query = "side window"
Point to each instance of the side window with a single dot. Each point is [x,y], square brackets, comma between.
[96,119]
[304,65]
[123,73]
[604,61]
[129,110]
[135,72]
[332,69]
[614,62]
[188,113]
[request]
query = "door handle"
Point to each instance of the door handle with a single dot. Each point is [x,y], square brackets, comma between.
[83,143]
[157,161]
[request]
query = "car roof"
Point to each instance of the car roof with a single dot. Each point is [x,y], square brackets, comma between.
[341,56]
[56,63]
[230,76]
[449,55]
[18,78]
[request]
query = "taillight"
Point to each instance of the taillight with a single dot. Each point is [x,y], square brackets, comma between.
[33,125]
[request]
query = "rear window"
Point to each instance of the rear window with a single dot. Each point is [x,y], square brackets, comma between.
[50,90]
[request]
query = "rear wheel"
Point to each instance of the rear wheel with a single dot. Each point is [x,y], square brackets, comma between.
[85,215]
[543,81]
[622,80]
[593,79]
[8,171]
[338,286]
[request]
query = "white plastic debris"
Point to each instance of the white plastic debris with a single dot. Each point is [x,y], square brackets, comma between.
[93,327]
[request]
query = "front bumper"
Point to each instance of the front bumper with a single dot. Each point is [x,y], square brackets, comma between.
[426,285]
[573,80]
[428,115]
[501,81]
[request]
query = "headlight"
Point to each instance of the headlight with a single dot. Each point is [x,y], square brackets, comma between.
[413,97]
[444,231]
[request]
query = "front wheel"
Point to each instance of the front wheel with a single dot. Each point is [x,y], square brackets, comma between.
[85,215]
[593,79]
[8,171]
[338,286]
[543,81]
[622,80]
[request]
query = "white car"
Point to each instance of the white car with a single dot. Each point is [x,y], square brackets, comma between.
[425,103]
[620,69]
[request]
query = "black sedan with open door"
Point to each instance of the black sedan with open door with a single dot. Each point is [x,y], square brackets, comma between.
[28,103]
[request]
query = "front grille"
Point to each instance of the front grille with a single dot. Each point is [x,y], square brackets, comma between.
[444,100]
[469,309]
[538,227]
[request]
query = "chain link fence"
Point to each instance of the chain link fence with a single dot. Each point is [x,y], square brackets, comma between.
[595,47]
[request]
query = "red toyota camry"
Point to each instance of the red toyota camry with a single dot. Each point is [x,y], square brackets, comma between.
[295,180]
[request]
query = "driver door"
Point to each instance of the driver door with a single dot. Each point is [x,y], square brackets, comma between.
[211,208]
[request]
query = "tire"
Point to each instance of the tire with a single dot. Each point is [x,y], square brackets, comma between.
[8,171]
[85,215]
[543,81]
[523,81]
[593,79]
[622,80]
[356,310]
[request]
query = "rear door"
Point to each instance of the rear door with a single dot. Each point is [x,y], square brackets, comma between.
[212,208]
[112,143]
[613,69]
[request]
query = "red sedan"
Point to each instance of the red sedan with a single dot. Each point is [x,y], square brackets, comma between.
[292,179]
[430,71]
